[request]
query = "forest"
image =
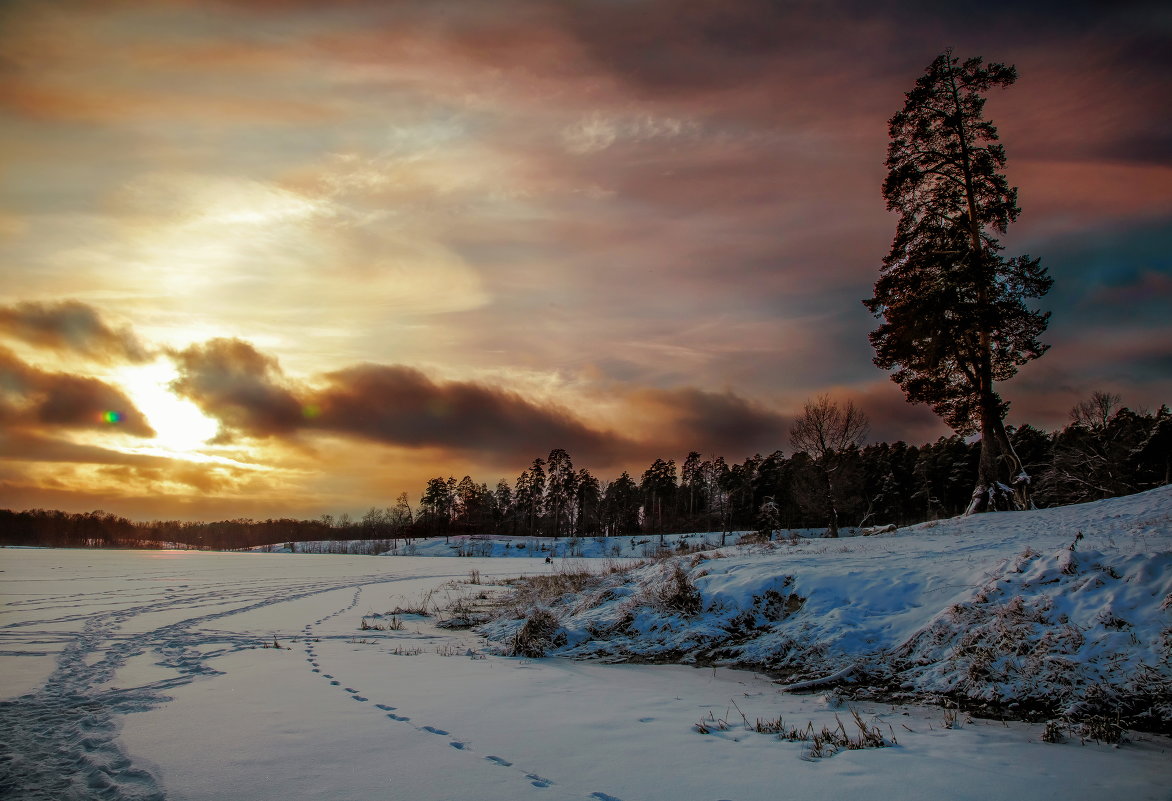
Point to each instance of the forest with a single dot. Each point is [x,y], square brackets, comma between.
[1105,451]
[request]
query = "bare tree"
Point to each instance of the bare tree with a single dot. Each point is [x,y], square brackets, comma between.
[824,431]
[1095,412]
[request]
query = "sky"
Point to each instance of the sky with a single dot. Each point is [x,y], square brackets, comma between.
[274,258]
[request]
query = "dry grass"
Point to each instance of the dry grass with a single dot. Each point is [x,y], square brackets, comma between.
[1101,729]
[675,593]
[1053,732]
[546,589]
[423,607]
[387,622]
[820,743]
[539,634]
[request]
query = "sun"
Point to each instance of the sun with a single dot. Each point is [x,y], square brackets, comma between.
[179,424]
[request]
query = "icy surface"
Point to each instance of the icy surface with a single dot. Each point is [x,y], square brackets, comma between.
[149,675]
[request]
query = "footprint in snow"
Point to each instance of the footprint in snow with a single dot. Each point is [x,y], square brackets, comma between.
[504,763]
[336,683]
[537,781]
[384,707]
[350,690]
[458,745]
[315,670]
[434,730]
[393,716]
[358,698]
[604,797]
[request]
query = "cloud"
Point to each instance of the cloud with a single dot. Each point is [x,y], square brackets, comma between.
[401,405]
[248,393]
[27,447]
[31,398]
[676,421]
[71,327]
[240,386]
[396,405]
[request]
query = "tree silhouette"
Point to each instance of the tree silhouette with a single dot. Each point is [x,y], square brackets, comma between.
[955,320]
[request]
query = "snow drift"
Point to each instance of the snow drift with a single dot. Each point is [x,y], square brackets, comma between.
[1057,613]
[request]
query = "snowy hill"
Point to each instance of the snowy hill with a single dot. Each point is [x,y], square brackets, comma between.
[1062,612]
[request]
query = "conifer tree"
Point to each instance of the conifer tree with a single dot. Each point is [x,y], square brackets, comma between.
[955,321]
[561,487]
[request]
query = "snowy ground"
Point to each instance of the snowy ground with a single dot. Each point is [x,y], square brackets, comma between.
[1064,613]
[143,675]
[626,546]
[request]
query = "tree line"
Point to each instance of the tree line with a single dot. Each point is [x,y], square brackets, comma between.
[1106,450]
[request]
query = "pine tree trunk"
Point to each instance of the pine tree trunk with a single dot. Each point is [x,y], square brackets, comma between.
[1001,483]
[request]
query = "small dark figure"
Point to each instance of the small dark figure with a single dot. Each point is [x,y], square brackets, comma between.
[549,560]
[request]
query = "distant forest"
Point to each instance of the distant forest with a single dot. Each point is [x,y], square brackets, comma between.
[1106,451]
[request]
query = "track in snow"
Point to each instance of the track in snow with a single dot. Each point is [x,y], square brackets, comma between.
[59,743]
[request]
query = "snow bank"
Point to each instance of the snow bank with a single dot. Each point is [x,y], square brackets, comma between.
[479,546]
[1061,612]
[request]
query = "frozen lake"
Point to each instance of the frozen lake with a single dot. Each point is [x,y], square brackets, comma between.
[142,675]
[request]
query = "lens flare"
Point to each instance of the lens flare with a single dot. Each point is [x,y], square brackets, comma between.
[112,417]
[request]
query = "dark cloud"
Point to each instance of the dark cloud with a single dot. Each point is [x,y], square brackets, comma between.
[238,385]
[71,327]
[247,392]
[714,423]
[401,405]
[31,398]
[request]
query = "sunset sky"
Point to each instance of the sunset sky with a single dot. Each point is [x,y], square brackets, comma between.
[281,258]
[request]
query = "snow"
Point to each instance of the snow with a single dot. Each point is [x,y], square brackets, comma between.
[144,674]
[505,546]
[996,610]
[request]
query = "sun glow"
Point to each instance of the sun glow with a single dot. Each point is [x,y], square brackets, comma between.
[179,425]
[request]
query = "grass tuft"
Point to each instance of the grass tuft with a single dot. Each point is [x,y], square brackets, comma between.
[539,634]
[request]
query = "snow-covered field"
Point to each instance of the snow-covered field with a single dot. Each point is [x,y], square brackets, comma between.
[144,675]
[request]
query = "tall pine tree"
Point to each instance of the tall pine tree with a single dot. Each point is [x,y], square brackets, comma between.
[955,321]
